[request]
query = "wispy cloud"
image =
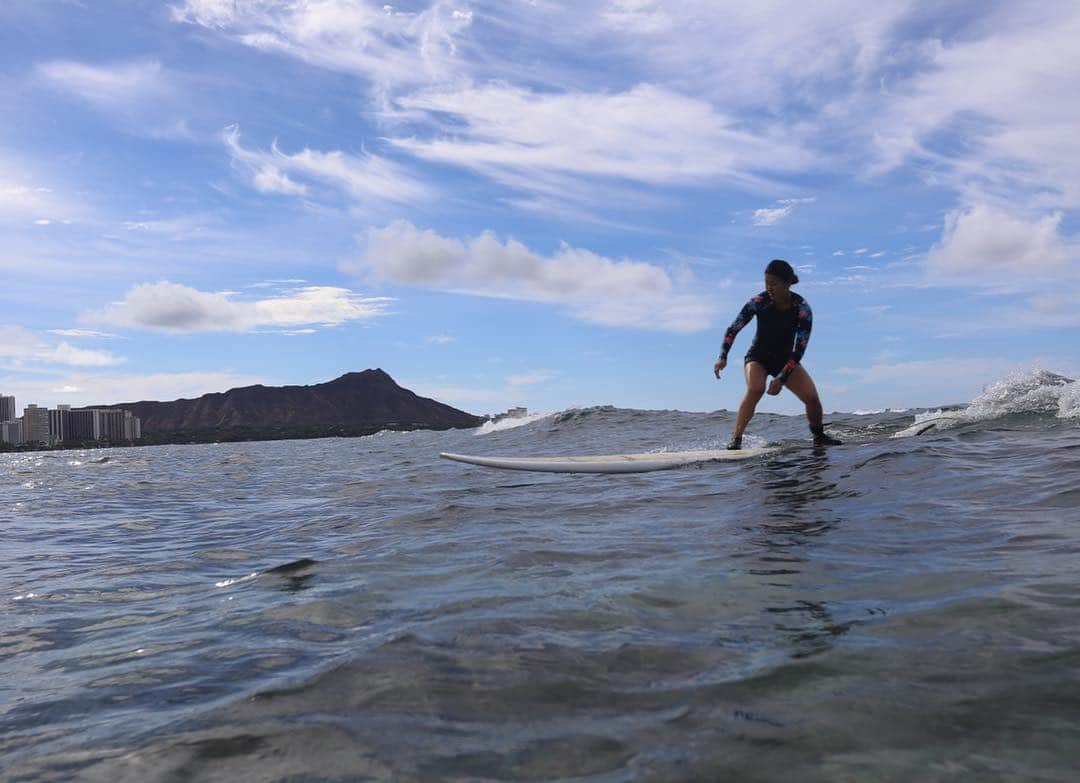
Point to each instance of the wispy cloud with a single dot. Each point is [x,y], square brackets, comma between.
[89,334]
[646,134]
[762,54]
[172,307]
[140,95]
[769,216]
[362,178]
[107,86]
[596,289]
[638,92]
[1008,89]
[83,388]
[374,40]
[20,347]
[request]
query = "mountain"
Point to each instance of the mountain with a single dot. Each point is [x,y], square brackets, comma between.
[357,403]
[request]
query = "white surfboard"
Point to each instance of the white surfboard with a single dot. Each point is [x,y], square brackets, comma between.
[610,463]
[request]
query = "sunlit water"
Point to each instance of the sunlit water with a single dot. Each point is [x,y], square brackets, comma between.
[893,609]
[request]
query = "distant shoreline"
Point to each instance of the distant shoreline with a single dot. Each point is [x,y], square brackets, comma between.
[230,435]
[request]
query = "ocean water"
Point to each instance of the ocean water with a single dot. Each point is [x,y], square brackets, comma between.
[899,608]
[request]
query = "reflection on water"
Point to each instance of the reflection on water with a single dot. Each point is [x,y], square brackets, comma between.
[797,496]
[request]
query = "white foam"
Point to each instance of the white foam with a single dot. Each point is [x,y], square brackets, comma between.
[1033,391]
[237,580]
[1036,391]
[509,423]
[1069,402]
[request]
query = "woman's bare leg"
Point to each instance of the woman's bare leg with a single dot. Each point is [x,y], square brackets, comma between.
[755,388]
[802,386]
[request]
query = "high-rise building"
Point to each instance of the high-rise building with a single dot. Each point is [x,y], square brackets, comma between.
[59,423]
[11,432]
[35,425]
[132,426]
[7,408]
[111,424]
[81,425]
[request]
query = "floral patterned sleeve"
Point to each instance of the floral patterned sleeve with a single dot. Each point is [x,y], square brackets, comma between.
[802,339]
[741,320]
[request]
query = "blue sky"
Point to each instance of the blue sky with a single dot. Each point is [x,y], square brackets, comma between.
[534,202]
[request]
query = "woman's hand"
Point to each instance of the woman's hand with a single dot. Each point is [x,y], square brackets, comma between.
[721,363]
[775,385]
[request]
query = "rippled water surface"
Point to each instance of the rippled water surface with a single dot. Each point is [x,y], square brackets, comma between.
[893,609]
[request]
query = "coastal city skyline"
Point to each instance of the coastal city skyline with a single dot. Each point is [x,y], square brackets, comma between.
[539,204]
[56,426]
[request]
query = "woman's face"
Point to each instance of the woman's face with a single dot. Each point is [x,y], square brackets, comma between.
[775,285]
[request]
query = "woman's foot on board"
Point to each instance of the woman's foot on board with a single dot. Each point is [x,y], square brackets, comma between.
[735,444]
[821,439]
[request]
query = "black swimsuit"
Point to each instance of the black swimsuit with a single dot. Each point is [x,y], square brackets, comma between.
[782,335]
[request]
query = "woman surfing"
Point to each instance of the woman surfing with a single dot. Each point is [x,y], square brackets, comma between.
[784,321]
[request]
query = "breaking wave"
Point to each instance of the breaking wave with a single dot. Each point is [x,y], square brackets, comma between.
[1034,392]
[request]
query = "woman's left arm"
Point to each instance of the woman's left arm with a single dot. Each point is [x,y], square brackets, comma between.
[802,339]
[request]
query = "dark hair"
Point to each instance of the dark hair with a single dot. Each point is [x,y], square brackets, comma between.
[782,269]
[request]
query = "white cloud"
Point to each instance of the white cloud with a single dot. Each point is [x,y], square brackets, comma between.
[844,82]
[172,307]
[767,53]
[81,333]
[362,177]
[107,87]
[596,289]
[351,36]
[646,134]
[982,242]
[65,353]
[769,216]
[80,389]
[441,339]
[20,347]
[1007,88]
[139,95]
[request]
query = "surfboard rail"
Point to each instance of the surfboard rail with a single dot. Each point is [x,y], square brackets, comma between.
[605,463]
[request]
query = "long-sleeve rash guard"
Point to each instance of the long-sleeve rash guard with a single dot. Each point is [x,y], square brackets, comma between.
[782,335]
